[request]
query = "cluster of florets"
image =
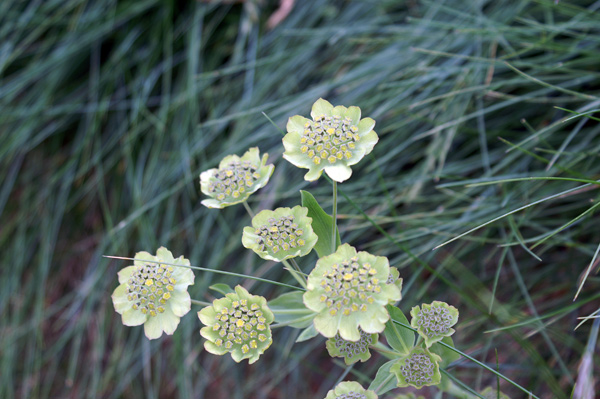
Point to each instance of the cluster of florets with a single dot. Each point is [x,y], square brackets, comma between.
[238,323]
[281,233]
[233,180]
[419,368]
[329,138]
[349,286]
[150,287]
[352,351]
[434,321]
[352,395]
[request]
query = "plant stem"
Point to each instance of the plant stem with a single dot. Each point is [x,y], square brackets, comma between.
[299,277]
[333,235]
[201,303]
[248,209]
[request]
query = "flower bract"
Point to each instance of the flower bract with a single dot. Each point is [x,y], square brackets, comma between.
[352,352]
[154,294]
[235,179]
[239,324]
[280,234]
[394,278]
[419,368]
[335,139]
[350,390]
[349,290]
[434,322]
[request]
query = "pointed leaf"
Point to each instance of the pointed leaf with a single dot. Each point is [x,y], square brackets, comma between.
[290,309]
[384,380]
[222,288]
[448,356]
[322,224]
[398,337]
[308,333]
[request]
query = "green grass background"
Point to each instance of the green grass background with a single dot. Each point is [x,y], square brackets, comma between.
[109,110]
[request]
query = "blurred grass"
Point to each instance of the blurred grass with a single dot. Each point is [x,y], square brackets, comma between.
[109,110]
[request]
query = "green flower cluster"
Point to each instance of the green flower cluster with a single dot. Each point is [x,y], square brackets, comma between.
[352,352]
[333,141]
[348,289]
[235,179]
[154,293]
[350,390]
[281,234]
[434,322]
[419,368]
[239,324]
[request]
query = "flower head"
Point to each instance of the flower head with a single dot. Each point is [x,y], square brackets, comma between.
[280,234]
[238,323]
[333,141]
[235,179]
[348,289]
[154,294]
[419,368]
[352,352]
[350,390]
[434,322]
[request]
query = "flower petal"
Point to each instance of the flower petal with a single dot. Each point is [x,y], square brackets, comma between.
[313,174]
[164,254]
[296,124]
[354,114]
[133,318]
[326,324]
[321,107]
[338,172]
[141,256]
[125,273]
[180,303]
[365,126]
[153,328]
[119,298]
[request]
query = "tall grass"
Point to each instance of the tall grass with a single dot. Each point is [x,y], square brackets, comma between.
[109,110]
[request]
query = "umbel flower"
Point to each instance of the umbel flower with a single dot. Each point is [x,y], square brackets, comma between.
[419,368]
[434,322]
[239,324]
[333,141]
[235,179]
[349,290]
[352,352]
[154,294]
[280,234]
[350,390]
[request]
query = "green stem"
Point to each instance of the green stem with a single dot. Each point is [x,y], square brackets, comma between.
[201,303]
[203,269]
[333,235]
[248,209]
[299,277]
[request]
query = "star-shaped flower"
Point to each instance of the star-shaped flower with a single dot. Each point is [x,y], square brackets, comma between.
[333,141]
[235,179]
[154,294]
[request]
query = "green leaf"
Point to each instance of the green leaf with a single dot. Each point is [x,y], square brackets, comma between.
[448,356]
[222,288]
[384,380]
[289,309]
[308,333]
[400,338]
[322,224]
